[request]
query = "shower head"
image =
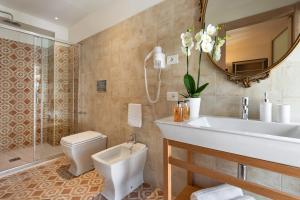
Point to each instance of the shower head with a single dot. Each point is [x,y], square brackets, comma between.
[10,22]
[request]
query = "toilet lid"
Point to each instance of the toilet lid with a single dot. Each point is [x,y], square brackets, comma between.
[80,138]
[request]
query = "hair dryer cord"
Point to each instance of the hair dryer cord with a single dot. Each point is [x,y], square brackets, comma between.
[146,81]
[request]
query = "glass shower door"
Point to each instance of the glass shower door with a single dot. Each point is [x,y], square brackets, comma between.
[56,95]
[44,95]
[17,96]
[38,105]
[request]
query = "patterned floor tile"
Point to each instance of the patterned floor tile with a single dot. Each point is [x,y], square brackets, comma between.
[52,181]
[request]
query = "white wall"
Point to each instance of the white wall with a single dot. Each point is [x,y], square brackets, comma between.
[61,33]
[105,17]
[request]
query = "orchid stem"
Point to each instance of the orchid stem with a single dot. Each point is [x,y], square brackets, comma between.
[187,60]
[198,79]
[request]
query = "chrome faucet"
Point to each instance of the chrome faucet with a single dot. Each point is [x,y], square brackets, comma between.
[245,109]
[132,142]
[132,139]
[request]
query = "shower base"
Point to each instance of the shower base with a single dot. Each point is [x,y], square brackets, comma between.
[23,156]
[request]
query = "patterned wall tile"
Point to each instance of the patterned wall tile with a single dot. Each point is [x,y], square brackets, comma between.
[62,100]
[54,67]
[17,93]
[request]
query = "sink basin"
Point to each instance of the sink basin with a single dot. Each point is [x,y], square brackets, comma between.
[273,142]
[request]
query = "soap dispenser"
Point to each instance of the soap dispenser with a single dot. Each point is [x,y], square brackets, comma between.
[266,109]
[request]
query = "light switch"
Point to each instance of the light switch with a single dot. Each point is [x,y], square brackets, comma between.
[172,59]
[172,96]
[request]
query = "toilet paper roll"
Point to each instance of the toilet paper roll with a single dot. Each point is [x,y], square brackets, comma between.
[284,113]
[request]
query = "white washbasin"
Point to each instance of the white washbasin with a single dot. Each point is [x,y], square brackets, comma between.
[273,142]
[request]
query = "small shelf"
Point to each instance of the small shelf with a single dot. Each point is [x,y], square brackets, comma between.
[186,192]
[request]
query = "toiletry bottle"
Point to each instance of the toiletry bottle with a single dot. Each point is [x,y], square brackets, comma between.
[284,113]
[186,110]
[265,109]
[178,112]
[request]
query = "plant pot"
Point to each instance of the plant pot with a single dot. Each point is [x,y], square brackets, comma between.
[194,107]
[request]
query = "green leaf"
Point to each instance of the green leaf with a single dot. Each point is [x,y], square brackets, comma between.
[201,88]
[185,96]
[189,83]
[196,95]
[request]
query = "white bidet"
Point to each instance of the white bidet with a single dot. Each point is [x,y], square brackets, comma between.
[122,167]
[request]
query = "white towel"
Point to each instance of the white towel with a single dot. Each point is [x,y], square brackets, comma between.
[221,192]
[243,198]
[135,115]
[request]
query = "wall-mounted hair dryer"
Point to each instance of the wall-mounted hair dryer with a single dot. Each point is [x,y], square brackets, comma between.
[159,61]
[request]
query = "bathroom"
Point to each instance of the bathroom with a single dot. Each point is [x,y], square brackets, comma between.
[102,41]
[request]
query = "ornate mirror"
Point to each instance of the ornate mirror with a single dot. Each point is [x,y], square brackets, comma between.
[260,34]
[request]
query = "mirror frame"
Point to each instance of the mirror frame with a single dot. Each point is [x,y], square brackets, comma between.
[245,81]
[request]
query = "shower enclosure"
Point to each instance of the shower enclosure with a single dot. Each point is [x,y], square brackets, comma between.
[38,87]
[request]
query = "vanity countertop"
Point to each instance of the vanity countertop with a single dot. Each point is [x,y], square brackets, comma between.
[273,142]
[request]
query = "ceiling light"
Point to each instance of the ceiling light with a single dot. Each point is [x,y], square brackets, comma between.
[56,18]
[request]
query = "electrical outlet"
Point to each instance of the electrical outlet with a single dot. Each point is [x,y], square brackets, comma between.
[172,96]
[172,60]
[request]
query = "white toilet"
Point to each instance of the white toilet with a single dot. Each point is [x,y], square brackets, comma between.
[122,167]
[79,148]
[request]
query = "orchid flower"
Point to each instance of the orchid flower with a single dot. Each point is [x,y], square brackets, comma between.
[211,30]
[187,42]
[206,40]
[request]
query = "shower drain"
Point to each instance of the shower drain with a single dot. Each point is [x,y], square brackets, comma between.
[14,159]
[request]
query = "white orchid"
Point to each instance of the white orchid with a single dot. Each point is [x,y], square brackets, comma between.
[207,47]
[211,30]
[206,40]
[187,40]
[217,54]
[186,51]
[220,42]
[198,36]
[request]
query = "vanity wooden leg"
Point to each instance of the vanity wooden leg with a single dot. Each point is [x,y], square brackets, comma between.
[189,173]
[167,171]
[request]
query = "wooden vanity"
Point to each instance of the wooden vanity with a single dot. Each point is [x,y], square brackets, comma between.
[191,168]
[268,146]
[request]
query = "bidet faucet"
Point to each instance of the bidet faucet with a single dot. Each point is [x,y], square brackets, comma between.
[132,138]
[132,142]
[245,109]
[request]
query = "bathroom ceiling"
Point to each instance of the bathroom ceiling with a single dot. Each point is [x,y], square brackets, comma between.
[68,11]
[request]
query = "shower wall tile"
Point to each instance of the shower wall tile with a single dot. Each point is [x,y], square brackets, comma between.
[17,64]
[16,93]
[63,96]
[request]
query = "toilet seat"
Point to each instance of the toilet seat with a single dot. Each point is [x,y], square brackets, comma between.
[81,138]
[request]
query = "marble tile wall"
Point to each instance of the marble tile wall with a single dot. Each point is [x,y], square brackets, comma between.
[117,55]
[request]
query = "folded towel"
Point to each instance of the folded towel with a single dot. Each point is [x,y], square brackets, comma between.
[243,198]
[221,192]
[135,115]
